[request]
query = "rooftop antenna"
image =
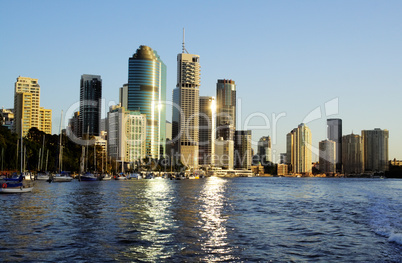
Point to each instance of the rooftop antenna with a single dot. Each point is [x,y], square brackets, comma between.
[183,49]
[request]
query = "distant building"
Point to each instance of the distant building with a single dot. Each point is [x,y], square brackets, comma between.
[90,105]
[7,118]
[27,107]
[224,152]
[298,144]
[264,150]
[242,149]
[283,158]
[185,119]
[282,169]
[352,154]
[334,133]
[327,157]
[74,124]
[123,96]
[206,148]
[375,148]
[146,93]
[126,134]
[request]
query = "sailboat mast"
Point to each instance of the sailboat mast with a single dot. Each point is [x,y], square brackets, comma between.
[22,148]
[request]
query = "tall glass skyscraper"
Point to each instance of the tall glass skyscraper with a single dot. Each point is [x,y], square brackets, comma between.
[90,105]
[147,93]
[334,133]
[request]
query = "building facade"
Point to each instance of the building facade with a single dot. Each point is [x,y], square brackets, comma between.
[27,107]
[375,150]
[327,157]
[264,150]
[7,118]
[242,149]
[126,134]
[226,108]
[206,148]
[90,105]
[185,118]
[299,155]
[334,133]
[224,152]
[146,93]
[352,154]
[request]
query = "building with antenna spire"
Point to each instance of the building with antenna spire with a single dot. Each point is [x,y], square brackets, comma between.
[185,121]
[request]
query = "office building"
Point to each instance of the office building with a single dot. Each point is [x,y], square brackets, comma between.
[27,107]
[327,157]
[242,150]
[126,135]
[264,150]
[299,155]
[375,150]
[146,93]
[226,108]
[334,133]
[185,119]
[90,105]
[7,118]
[352,154]
[224,152]
[207,135]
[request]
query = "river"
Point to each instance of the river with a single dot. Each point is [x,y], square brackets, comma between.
[206,220]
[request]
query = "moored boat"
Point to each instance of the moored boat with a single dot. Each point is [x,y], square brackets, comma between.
[88,177]
[14,188]
[61,177]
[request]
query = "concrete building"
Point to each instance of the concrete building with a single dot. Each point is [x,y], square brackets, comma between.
[90,105]
[146,92]
[126,134]
[283,158]
[206,148]
[185,118]
[334,133]
[299,155]
[375,150]
[242,150]
[327,157]
[27,107]
[123,96]
[226,108]
[352,154]
[224,152]
[264,150]
[282,169]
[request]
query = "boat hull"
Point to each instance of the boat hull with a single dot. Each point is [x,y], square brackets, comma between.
[15,190]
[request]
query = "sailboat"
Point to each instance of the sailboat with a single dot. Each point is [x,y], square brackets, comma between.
[61,176]
[88,176]
[14,185]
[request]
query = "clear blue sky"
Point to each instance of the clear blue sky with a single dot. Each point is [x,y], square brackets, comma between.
[288,57]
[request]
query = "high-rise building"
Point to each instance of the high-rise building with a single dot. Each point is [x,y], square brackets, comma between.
[352,154]
[207,130]
[123,96]
[146,93]
[90,105]
[327,156]
[264,150]
[74,124]
[226,108]
[186,109]
[299,154]
[242,149]
[375,148]
[126,134]
[7,118]
[27,107]
[224,152]
[334,133]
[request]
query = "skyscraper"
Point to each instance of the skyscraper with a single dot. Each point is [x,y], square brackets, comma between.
[90,104]
[375,148]
[226,108]
[242,149]
[299,149]
[334,133]
[327,157]
[186,110]
[207,130]
[264,150]
[27,107]
[352,154]
[146,93]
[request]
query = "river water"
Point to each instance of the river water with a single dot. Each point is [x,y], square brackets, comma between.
[207,220]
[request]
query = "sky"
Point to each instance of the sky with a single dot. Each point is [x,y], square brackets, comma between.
[292,61]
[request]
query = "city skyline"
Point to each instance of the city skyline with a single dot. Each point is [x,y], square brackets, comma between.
[354,59]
